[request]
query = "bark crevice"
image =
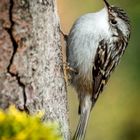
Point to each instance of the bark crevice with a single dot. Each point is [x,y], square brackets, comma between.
[15,47]
[10,30]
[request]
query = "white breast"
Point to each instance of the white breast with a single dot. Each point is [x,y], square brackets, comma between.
[84,39]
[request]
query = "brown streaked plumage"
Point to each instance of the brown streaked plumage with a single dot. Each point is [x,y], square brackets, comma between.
[96,44]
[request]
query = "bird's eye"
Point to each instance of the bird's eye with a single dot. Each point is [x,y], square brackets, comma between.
[113,21]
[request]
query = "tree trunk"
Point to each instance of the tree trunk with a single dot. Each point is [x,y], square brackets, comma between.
[31,71]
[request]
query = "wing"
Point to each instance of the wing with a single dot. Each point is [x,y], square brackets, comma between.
[106,59]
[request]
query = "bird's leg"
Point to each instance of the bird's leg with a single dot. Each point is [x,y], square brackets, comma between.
[68,68]
[63,53]
[67,71]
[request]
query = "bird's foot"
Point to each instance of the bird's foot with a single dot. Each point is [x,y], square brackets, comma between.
[68,68]
[67,72]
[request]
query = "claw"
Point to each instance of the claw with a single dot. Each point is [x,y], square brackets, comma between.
[64,35]
[67,71]
[68,68]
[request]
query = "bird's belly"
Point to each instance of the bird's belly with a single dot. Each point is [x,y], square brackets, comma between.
[81,54]
[82,84]
[83,80]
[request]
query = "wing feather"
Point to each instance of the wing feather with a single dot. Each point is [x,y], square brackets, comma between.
[106,59]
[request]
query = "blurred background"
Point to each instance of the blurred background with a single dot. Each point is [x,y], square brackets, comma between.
[116,115]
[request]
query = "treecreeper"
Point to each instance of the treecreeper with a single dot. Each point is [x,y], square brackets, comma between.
[96,44]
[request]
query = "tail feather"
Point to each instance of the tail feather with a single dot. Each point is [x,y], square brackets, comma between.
[82,125]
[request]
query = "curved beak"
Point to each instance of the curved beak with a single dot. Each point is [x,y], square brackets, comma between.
[107,4]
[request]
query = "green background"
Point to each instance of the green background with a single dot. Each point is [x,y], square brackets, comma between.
[116,115]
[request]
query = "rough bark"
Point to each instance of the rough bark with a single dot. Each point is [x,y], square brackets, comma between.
[31,73]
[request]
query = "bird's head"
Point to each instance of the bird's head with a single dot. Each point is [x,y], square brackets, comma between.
[118,20]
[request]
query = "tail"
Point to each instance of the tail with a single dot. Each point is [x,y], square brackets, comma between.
[84,116]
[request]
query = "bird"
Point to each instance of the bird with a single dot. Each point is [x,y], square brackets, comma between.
[96,43]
